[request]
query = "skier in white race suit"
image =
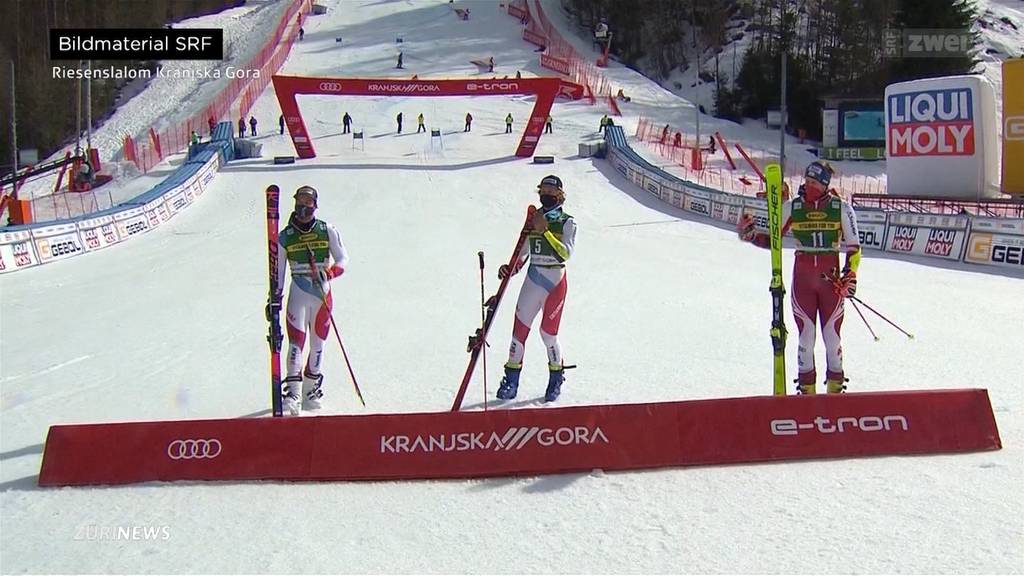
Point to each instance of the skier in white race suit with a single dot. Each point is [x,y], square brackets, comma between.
[309,297]
[549,246]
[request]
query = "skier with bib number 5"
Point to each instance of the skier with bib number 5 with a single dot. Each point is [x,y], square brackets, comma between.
[549,246]
[309,297]
[822,225]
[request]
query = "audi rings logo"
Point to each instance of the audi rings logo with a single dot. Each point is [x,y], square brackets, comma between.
[193,449]
[331,86]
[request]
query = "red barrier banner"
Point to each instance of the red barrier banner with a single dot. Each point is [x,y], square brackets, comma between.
[523,441]
[545,89]
[570,90]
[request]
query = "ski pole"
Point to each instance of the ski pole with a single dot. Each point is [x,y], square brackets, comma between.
[879,314]
[834,279]
[330,314]
[483,320]
[857,308]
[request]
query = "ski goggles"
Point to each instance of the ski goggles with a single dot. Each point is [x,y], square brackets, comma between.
[818,173]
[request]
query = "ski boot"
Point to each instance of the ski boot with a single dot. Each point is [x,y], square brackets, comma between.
[311,392]
[556,376]
[291,402]
[836,385]
[510,383]
[805,388]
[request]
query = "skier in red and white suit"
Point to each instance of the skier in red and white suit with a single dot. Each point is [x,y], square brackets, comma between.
[550,244]
[309,298]
[822,225]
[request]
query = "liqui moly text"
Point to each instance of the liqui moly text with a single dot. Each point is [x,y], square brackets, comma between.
[931,123]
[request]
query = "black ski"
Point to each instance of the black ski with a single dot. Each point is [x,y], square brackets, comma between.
[273,311]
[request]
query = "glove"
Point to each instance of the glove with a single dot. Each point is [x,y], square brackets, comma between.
[745,228]
[846,285]
[539,223]
[504,270]
[328,273]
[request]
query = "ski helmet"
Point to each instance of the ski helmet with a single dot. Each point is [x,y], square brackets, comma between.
[820,171]
[556,182]
[307,191]
[551,180]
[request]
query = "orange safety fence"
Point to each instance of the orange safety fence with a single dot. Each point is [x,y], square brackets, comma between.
[722,176]
[560,55]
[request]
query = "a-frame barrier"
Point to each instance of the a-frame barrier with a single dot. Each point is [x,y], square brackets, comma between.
[545,89]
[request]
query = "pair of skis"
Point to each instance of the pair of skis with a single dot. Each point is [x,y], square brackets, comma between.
[773,179]
[273,311]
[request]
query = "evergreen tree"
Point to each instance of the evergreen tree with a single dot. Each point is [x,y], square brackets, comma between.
[956,16]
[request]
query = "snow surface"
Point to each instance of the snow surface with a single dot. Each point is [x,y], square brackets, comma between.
[662,305]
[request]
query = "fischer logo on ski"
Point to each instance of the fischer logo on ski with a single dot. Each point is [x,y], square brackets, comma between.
[773,180]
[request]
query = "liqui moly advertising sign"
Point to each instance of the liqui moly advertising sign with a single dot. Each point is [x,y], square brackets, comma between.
[941,138]
[931,123]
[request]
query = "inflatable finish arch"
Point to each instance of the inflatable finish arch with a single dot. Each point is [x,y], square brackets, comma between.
[545,89]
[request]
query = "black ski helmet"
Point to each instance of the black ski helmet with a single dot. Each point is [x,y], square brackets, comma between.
[551,180]
[308,191]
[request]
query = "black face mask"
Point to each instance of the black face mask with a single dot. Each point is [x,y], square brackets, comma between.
[304,212]
[548,201]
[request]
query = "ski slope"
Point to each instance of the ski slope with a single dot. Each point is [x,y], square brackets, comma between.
[662,305]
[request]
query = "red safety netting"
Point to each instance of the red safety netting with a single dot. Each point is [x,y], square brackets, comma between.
[559,55]
[233,101]
[716,167]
